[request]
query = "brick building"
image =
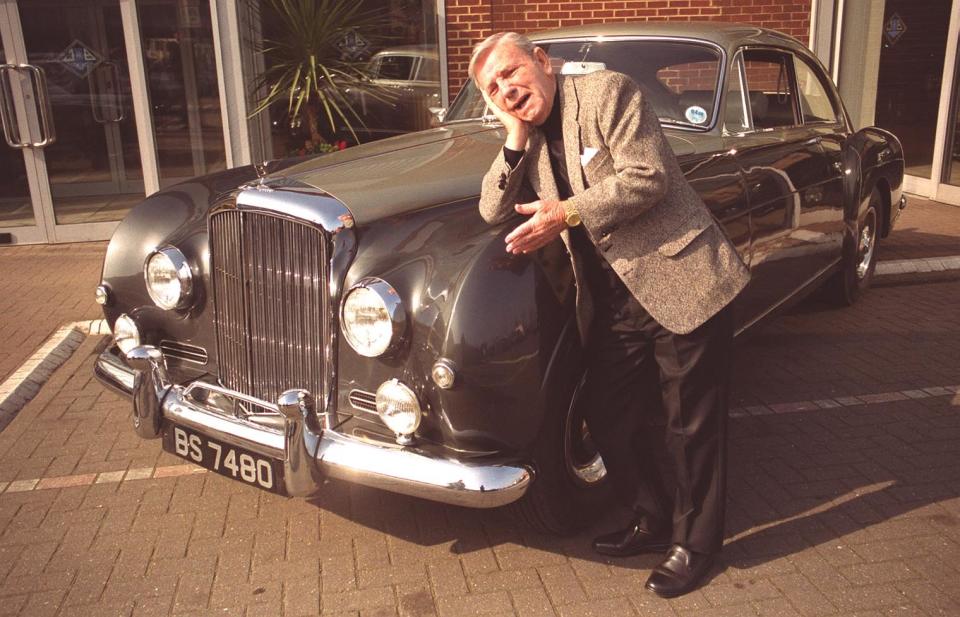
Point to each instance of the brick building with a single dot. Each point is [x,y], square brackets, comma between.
[113,100]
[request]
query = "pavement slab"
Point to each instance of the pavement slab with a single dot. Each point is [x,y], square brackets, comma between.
[847,508]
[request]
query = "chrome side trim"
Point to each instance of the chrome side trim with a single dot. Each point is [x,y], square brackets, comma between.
[310,451]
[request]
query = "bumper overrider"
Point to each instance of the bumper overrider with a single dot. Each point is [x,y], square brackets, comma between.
[300,442]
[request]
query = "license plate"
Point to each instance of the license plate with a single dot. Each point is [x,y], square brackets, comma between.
[227,460]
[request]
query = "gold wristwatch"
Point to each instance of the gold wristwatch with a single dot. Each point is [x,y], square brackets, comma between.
[570,216]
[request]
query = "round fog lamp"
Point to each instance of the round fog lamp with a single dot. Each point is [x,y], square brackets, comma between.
[125,333]
[398,407]
[168,277]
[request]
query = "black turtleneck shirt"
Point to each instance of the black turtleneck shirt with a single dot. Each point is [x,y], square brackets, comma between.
[603,281]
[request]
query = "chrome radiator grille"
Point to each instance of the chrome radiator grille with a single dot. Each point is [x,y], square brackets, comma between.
[270,303]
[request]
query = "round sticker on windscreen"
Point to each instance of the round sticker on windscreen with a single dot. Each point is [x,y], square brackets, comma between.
[696,114]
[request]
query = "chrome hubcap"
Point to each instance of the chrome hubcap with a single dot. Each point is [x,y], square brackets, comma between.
[867,243]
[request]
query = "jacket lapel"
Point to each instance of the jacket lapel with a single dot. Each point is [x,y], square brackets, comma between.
[570,113]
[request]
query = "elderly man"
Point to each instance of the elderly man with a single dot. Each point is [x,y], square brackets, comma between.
[655,277]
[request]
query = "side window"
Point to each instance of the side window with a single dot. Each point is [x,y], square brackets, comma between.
[815,104]
[429,70]
[395,67]
[735,118]
[769,88]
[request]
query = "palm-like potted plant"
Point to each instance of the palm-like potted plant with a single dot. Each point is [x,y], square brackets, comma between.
[315,61]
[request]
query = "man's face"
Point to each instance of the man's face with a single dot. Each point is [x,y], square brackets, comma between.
[520,85]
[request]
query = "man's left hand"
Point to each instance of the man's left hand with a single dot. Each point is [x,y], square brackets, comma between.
[546,222]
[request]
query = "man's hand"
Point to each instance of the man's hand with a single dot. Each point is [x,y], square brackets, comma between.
[545,224]
[517,129]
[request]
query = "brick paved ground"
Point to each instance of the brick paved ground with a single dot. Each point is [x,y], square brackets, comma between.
[848,511]
[925,229]
[42,287]
[845,511]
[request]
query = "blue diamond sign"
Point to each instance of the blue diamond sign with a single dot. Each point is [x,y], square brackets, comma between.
[353,46]
[79,58]
[894,29]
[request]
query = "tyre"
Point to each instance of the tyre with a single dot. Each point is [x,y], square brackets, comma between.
[570,478]
[859,262]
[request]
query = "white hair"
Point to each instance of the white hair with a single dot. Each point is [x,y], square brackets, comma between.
[484,47]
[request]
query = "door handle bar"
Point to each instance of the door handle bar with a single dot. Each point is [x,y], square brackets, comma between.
[39,83]
[11,130]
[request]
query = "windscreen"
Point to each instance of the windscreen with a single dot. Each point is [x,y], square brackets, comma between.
[679,78]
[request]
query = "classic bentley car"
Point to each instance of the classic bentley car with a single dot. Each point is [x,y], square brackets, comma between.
[351,316]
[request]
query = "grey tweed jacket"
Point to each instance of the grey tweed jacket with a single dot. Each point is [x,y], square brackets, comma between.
[633,199]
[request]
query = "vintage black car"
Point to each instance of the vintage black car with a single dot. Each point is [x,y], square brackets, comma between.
[351,316]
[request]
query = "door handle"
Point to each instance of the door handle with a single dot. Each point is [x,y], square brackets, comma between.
[38,82]
[99,101]
[11,130]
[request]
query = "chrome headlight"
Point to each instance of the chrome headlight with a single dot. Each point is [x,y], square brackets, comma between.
[373,317]
[398,407]
[126,334]
[168,277]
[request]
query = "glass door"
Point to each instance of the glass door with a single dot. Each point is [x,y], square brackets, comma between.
[93,167]
[20,219]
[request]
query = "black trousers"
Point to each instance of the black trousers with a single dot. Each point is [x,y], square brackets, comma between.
[640,373]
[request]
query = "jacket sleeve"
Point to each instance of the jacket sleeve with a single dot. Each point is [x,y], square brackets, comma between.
[631,132]
[503,187]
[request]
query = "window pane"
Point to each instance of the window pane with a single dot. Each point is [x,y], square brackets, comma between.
[182,81]
[16,209]
[814,101]
[679,79]
[768,84]
[372,84]
[736,120]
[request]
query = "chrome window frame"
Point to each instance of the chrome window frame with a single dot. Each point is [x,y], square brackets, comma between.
[736,64]
[718,88]
[792,78]
[839,112]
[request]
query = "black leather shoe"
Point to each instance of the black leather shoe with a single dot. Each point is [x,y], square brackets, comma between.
[633,540]
[679,573]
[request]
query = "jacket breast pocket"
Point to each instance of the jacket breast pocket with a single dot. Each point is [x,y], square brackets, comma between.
[598,167]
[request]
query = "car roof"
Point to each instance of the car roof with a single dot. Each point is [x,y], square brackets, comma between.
[725,34]
[425,51]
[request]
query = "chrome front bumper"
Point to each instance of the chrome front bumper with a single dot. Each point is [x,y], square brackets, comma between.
[309,451]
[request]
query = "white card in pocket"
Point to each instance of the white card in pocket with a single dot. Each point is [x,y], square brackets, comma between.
[588,154]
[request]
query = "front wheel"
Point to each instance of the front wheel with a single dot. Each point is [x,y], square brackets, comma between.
[570,478]
[857,268]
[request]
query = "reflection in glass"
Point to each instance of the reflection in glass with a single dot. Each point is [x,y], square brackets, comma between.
[15,207]
[909,81]
[94,164]
[400,58]
[182,83]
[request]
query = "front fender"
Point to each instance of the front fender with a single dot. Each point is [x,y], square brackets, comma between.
[503,320]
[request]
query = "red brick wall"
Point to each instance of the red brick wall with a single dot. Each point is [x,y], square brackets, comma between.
[468,21]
